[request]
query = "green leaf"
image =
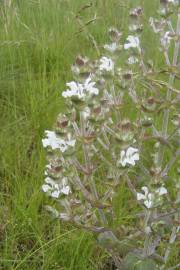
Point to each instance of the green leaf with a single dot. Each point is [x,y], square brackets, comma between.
[130,261]
[135,262]
[147,264]
[110,241]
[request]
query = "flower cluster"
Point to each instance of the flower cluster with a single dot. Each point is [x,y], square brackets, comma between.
[106,64]
[55,142]
[130,156]
[132,42]
[110,135]
[149,198]
[80,90]
[54,189]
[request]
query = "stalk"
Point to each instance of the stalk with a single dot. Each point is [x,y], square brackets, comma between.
[171,241]
[147,240]
[169,94]
[89,178]
[93,188]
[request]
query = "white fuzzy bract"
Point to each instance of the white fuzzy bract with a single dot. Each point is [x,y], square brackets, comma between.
[80,90]
[133,42]
[54,189]
[129,156]
[57,143]
[106,64]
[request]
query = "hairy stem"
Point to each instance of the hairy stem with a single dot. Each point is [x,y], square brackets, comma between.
[147,240]
[169,94]
[89,178]
[171,241]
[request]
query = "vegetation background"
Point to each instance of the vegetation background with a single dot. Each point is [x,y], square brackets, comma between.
[39,40]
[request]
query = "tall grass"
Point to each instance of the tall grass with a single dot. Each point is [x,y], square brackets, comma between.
[39,40]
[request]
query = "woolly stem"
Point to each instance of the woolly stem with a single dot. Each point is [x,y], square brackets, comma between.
[169,94]
[89,178]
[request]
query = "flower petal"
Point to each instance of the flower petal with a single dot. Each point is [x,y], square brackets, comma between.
[161,191]
[140,196]
[148,203]
[55,194]
[46,188]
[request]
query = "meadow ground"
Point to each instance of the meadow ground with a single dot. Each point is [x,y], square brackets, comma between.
[39,41]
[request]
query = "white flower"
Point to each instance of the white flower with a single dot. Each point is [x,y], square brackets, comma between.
[48,167]
[65,188]
[80,90]
[56,143]
[111,47]
[76,89]
[106,64]
[89,87]
[161,191]
[51,140]
[146,196]
[150,198]
[133,42]
[54,189]
[51,187]
[132,60]
[129,156]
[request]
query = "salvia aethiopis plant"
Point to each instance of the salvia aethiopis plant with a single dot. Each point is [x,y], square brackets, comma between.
[121,129]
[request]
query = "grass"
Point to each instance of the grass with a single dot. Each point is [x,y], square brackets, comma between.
[37,47]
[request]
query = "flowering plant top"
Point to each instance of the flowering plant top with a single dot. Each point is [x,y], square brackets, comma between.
[97,146]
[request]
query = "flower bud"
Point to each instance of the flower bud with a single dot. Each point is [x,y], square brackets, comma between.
[62,123]
[80,61]
[114,34]
[147,230]
[136,12]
